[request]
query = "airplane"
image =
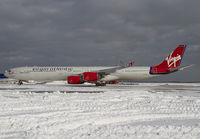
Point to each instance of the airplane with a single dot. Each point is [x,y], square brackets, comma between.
[99,75]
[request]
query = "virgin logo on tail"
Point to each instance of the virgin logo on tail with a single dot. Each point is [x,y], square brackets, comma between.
[172,60]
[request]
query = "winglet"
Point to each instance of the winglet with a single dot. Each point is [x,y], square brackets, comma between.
[131,64]
[123,65]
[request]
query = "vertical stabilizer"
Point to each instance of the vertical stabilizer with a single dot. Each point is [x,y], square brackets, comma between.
[171,63]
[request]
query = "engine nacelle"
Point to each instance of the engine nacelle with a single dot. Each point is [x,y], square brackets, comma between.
[74,80]
[90,76]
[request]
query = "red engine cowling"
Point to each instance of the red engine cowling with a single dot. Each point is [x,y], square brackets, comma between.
[90,76]
[74,80]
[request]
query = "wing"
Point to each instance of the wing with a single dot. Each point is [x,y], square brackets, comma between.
[98,76]
[112,70]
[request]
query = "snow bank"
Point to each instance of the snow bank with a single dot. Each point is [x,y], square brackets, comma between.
[114,111]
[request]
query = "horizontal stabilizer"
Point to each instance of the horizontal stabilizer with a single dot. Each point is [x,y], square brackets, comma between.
[184,67]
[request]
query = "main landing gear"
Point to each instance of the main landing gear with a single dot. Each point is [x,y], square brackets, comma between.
[100,84]
[20,82]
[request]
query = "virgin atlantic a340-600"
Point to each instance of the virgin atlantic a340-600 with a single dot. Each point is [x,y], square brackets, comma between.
[98,75]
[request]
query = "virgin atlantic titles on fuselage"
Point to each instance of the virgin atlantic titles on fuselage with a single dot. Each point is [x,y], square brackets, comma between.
[98,75]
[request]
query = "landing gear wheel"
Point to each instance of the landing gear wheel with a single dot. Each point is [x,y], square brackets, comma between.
[20,82]
[100,84]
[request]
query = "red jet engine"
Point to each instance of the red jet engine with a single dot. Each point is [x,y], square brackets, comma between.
[74,80]
[90,76]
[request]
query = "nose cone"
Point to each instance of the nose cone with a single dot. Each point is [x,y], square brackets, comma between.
[8,74]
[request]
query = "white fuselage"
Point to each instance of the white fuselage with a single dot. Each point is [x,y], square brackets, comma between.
[61,73]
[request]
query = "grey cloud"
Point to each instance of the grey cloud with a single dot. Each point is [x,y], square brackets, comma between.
[93,32]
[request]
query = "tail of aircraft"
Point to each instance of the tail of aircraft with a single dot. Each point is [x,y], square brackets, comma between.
[171,63]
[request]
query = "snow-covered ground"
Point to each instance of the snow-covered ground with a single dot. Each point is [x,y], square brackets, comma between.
[142,110]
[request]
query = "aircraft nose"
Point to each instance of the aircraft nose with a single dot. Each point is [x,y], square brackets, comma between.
[8,73]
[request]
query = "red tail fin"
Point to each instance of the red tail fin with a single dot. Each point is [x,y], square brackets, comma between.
[171,63]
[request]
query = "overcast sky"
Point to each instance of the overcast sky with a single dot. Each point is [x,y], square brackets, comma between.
[99,32]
